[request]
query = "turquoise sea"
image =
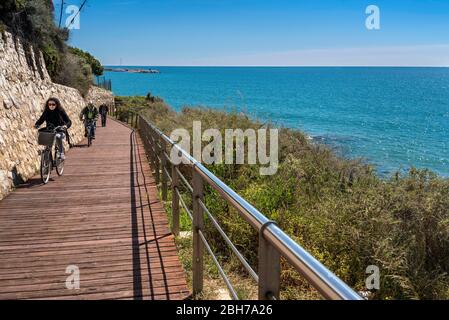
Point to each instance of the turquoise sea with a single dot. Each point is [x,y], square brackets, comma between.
[394,118]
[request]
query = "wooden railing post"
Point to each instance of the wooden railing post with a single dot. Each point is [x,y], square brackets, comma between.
[164,170]
[198,224]
[175,200]
[269,269]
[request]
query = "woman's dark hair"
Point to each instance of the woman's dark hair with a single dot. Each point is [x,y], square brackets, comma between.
[55,100]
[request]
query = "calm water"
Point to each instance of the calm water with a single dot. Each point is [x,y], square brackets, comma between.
[392,117]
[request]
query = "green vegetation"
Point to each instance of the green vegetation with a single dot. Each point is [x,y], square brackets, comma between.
[33,22]
[337,209]
[97,68]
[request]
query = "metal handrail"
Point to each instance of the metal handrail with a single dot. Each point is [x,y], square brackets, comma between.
[273,242]
[219,267]
[184,180]
[183,203]
[245,263]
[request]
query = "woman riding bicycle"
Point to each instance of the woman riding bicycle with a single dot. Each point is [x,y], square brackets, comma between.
[54,116]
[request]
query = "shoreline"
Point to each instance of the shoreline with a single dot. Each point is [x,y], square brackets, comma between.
[381,114]
[383,172]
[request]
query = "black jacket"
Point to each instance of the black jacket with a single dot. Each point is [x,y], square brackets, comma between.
[54,118]
[104,109]
[89,113]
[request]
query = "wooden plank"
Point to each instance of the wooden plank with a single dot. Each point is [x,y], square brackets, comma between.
[103,215]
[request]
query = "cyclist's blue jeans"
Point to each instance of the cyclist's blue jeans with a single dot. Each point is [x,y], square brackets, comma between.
[93,127]
[60,136]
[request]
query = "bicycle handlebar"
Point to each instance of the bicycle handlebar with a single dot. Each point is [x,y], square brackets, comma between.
[54,129]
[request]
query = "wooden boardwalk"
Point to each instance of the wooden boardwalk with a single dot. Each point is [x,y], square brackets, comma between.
[102,216]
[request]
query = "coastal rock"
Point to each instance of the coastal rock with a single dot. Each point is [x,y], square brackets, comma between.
[24,88]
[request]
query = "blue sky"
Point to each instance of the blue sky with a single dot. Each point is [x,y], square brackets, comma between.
[263,32]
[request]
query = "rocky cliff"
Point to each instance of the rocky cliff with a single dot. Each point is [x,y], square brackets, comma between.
[24,87]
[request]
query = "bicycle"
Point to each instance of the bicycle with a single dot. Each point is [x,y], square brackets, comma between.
[50,157]
[90,127]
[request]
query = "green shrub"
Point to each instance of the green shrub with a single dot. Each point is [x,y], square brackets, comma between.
[152,99]
[75,73]
[52,59]
[96,67]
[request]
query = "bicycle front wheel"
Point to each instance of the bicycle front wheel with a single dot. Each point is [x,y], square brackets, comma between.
[59,163]
[45,166]
[89,136]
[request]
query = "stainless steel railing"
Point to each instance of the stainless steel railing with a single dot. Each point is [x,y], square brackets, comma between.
[273,242]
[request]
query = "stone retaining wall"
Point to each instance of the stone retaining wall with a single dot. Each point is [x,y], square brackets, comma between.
[24,87]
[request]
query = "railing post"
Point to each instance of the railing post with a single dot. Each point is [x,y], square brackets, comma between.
[156,159]
[175,200]
[198,224]
[269,269]
[152,150]
[164,170]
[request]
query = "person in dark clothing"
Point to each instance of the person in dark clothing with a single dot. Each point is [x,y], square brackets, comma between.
[104,109]
[54,116]
[89,114]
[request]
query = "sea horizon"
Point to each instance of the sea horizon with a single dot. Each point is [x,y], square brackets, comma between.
[266,66]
